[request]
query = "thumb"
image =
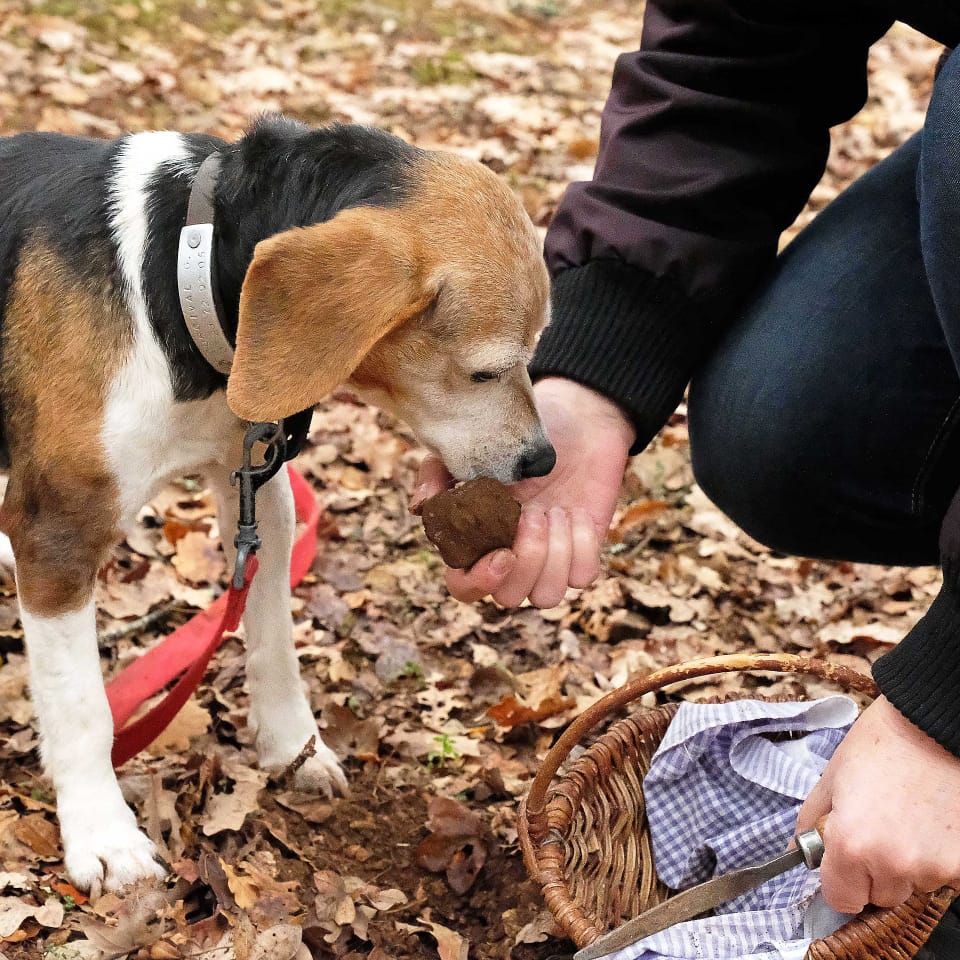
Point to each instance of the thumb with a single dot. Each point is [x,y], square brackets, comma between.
[432,478]
[817,805]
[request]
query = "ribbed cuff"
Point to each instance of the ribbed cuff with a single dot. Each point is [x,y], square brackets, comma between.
[631,336]
[921,675]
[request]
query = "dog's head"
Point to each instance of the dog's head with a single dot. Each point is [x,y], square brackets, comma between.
[428,308]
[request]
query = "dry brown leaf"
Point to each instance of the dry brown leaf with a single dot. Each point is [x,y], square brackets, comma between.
[422,743]
[349,736]
[455,845]
[511,712]
[10,880]
[636,515]
[124,600]
[243,888]
[198,559]
[870,633]
[227,811]
[40,835]
[539,929]
[191,721]
[14,911]
[333,904]
[132,922]
[542,698]
[450,944]
[69,890]
[283,941]
[14,702]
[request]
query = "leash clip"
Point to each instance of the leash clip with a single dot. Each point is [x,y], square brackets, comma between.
[251,477]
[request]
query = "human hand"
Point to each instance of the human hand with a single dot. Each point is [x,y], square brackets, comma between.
[565,514]
[892,799]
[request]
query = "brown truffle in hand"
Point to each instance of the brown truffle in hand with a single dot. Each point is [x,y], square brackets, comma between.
[468,522]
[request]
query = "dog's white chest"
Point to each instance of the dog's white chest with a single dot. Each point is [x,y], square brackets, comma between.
[149,437]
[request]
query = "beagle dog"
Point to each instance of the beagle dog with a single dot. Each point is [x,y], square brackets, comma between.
[341,255]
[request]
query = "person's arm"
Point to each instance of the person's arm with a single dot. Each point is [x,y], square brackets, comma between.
[921,675]
[891,792]
[714,135]
[891,796]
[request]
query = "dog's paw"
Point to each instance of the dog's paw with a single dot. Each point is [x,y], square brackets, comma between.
[322,773]
[109,855]
[283,758]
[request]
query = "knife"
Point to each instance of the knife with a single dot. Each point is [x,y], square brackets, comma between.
[691,903]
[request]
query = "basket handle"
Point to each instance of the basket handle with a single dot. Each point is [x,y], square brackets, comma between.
[776,662]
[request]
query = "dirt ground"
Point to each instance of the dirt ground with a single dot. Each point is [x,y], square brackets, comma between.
[441,712]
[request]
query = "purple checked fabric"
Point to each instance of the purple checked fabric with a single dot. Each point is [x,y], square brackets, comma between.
[723,792]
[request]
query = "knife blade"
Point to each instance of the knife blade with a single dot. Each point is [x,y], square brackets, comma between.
[706,896]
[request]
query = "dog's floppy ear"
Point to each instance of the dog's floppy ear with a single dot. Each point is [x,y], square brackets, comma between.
[314,302]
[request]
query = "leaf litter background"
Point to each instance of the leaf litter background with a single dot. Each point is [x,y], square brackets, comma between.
[439,711]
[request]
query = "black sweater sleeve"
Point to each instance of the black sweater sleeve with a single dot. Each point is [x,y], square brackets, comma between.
[713,136]
[921,675]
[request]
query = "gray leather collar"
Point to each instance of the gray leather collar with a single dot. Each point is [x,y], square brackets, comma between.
[195,275]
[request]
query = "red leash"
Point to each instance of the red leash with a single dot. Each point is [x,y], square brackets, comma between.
[188,650]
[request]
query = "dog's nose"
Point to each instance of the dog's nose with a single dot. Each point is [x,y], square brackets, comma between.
[537,462]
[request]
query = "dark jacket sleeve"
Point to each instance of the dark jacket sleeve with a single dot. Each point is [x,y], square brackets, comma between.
[921,675]
[713,136]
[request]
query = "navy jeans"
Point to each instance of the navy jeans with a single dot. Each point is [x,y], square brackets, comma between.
[827,421]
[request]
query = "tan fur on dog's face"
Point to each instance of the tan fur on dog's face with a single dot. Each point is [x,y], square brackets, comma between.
[407,305]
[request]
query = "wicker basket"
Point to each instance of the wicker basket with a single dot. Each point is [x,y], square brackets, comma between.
[586,840]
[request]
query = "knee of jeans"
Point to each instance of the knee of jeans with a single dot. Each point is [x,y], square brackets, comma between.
[948,72]
[747,464]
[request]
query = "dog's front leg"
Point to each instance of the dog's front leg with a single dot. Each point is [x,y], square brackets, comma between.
[103,848]
[280,713]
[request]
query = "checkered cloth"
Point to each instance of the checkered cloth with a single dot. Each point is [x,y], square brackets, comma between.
[723,792]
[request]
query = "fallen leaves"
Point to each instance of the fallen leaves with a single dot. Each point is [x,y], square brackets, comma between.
[228,810]
[541,700]
[349,736]
[40,835]
[13,911]
[450,944]
[281,942]
[198,558]
[347,902]
[419,695]
[456,844]
[191,721]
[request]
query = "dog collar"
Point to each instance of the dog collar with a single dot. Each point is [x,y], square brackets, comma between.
[195,271]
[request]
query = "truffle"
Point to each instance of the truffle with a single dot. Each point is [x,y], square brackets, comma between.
[471,520]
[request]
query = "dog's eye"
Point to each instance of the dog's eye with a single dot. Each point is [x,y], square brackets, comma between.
[482,376]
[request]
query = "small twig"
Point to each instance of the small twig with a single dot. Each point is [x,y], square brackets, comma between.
[147,620]
[286,775]
[205,953]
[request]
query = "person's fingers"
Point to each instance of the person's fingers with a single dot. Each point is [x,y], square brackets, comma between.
[817,805]
[432,478]
[938,869]
[585,560]
[845,880]
[552,583]
[888,888]
[483,578]
[530,546]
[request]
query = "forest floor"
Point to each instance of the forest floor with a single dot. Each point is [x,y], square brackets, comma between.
[441,712]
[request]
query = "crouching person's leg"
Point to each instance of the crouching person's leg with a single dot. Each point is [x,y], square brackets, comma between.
[826,422]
